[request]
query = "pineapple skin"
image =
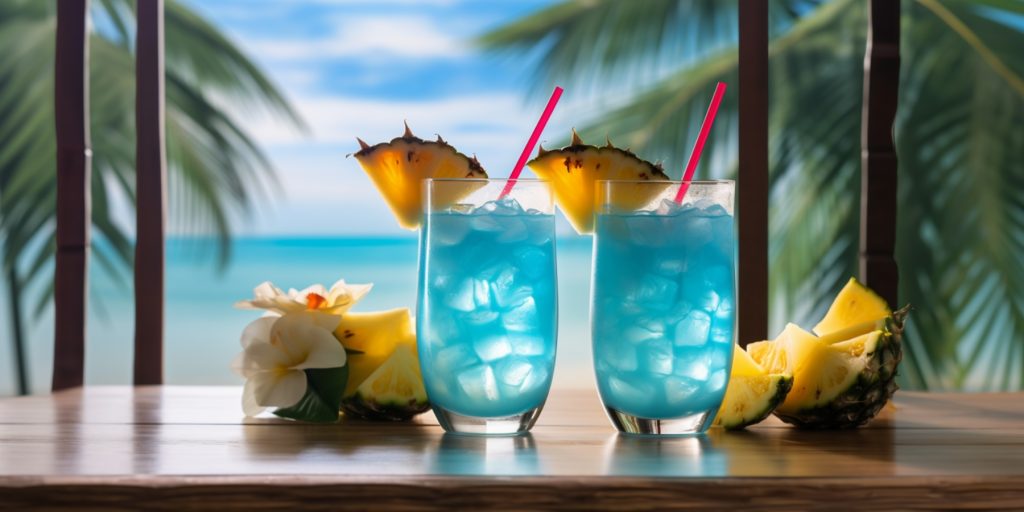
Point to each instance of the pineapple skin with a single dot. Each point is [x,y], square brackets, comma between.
[873,388]
[361,408]
[776,400]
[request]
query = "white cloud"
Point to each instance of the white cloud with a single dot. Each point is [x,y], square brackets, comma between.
[376,36]
[325,192]
[339,119]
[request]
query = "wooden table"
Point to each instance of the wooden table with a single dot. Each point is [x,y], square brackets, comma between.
[178,448]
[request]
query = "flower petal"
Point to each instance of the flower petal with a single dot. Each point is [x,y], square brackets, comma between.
[267,291]
[309,341]
[265,357]
[271,298]
[278,389]
[258,331]
[249,405]
[343,296]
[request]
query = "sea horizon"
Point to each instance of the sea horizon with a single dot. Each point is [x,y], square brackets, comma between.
[202,326]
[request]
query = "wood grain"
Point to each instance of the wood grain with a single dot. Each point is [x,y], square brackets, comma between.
[188,447]
[74,162]
[752,183]
[151,193]
[878,152]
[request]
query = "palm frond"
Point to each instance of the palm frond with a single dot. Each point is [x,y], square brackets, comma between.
[603,46]
[961,219]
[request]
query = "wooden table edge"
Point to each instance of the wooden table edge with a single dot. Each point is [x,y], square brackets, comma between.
[184,492]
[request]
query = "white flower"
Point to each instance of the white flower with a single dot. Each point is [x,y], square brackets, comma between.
[276,350]
[335,301]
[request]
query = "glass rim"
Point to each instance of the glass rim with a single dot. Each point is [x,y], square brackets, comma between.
[483,180]
[672,182]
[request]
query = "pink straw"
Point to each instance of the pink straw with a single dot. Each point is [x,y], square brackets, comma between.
[532,142]
[698,147]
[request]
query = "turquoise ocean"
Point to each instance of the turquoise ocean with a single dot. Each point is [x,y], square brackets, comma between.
[203,327]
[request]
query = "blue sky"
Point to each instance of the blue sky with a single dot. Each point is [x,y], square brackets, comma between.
[359,68]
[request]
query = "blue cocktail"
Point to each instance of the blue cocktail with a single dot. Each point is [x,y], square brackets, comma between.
[663,303]
[486,321]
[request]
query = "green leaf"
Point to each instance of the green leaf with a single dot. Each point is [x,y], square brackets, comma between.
[322,400]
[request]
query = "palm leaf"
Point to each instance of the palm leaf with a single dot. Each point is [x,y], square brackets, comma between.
[961,219]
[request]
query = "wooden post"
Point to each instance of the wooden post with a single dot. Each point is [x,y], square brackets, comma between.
[151,193]
[752,184]
[878,152]
[74,161]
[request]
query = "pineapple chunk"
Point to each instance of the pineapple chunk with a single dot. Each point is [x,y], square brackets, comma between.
[375,336]
[394,391]
[743,364]
[574,170]
[752,394]
[399,167]
[856,305]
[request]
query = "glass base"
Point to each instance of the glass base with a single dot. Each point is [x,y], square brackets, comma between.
[514,425]
[683,426]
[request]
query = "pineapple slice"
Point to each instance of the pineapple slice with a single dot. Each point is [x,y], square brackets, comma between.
[856,307]
[753,393]
[829,371]
[394,391]
[399,167]
[374,337]
[574,170]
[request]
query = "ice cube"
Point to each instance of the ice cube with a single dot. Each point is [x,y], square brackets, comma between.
[645,231]
[481,317]
[693,329]
[635,393]
[721,332]
[717,381]
[694,368]
[507,206]
[532,262]
[507,293]
[487,223]
[452,358]
[694,230]
[538,376]
[657,356]
[655,292]
[714,210]
[478,383]
[668,207]
[677,313]
[701,291]
[637,334]
[615,355]
[724,234]
[671,267]
[481,294]
[541,230]
[719,358]
[514,230]
[725,309]
[492,348]
[521,318]
[719,278]
[679,389]
[461,296]
[448,229]
[525,345]
[513,371]
[652,324]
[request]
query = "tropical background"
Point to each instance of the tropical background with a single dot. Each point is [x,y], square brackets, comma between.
[265,99]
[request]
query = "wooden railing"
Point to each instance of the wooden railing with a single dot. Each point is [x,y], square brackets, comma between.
[878,206]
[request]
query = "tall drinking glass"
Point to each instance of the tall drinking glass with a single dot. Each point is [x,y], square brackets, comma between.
[487,318]
[663,303]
